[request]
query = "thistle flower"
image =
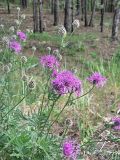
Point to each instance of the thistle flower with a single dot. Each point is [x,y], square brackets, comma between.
[97,79]
[15,46]
[116,121]
[12,29]
[76,23]
[32,84]
[57,54]
[69,122]
[49,61]
[6,68]
[33,48]
[54,73]
[48,49]
[71,149]
[5,40]
[66,82]
[18,8]
[62,31]
[24,59]
[22,35]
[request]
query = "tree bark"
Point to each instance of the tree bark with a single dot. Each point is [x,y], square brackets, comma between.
[24,3]
[78,7]
[92,15]
[102,15]
[68,16]
[116,21]
[52,6]
[35,16]
[85,13]
[56,12]
[40,16]
[8,6]
[82,9]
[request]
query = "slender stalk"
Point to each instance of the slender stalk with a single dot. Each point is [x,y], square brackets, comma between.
[84,93]
[50,113]
[59,114]
[15,106]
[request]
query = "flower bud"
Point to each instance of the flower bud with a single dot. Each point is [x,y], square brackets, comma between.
[6,68]
[69,122]
[62,31]
[32,84]
[48,49]
[24,59]
[25,78]
[18,8]
[34,48]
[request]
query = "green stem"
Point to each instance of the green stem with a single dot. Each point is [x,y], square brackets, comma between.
[59,114]
[84,93]
[50,113]
[14,106]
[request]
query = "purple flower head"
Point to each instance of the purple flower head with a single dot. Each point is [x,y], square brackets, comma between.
[97,79]
[49,61]
[15,46]
[54,73]
[22,35]
[65,82]
[116,121]
[71,149]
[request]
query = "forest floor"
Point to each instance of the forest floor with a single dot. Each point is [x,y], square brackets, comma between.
[87,46]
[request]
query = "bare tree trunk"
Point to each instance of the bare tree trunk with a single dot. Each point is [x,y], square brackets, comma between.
[68,17]
[82,9]
[116,21]
[40,16]
[35,16]
[52,6]
[24,3]
[56,12]
[102,15]
[92,15]
[85,13]
[78,7]
[8,6]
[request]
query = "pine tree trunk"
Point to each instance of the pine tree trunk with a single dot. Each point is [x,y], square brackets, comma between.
[116,21]
[35,16]
[68,17]
[78,7]
[102,15]
[92,15]
[56,12]
[40,16]
[85,13]
[52,6]
[8,6]
[24,3]
[82,9]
